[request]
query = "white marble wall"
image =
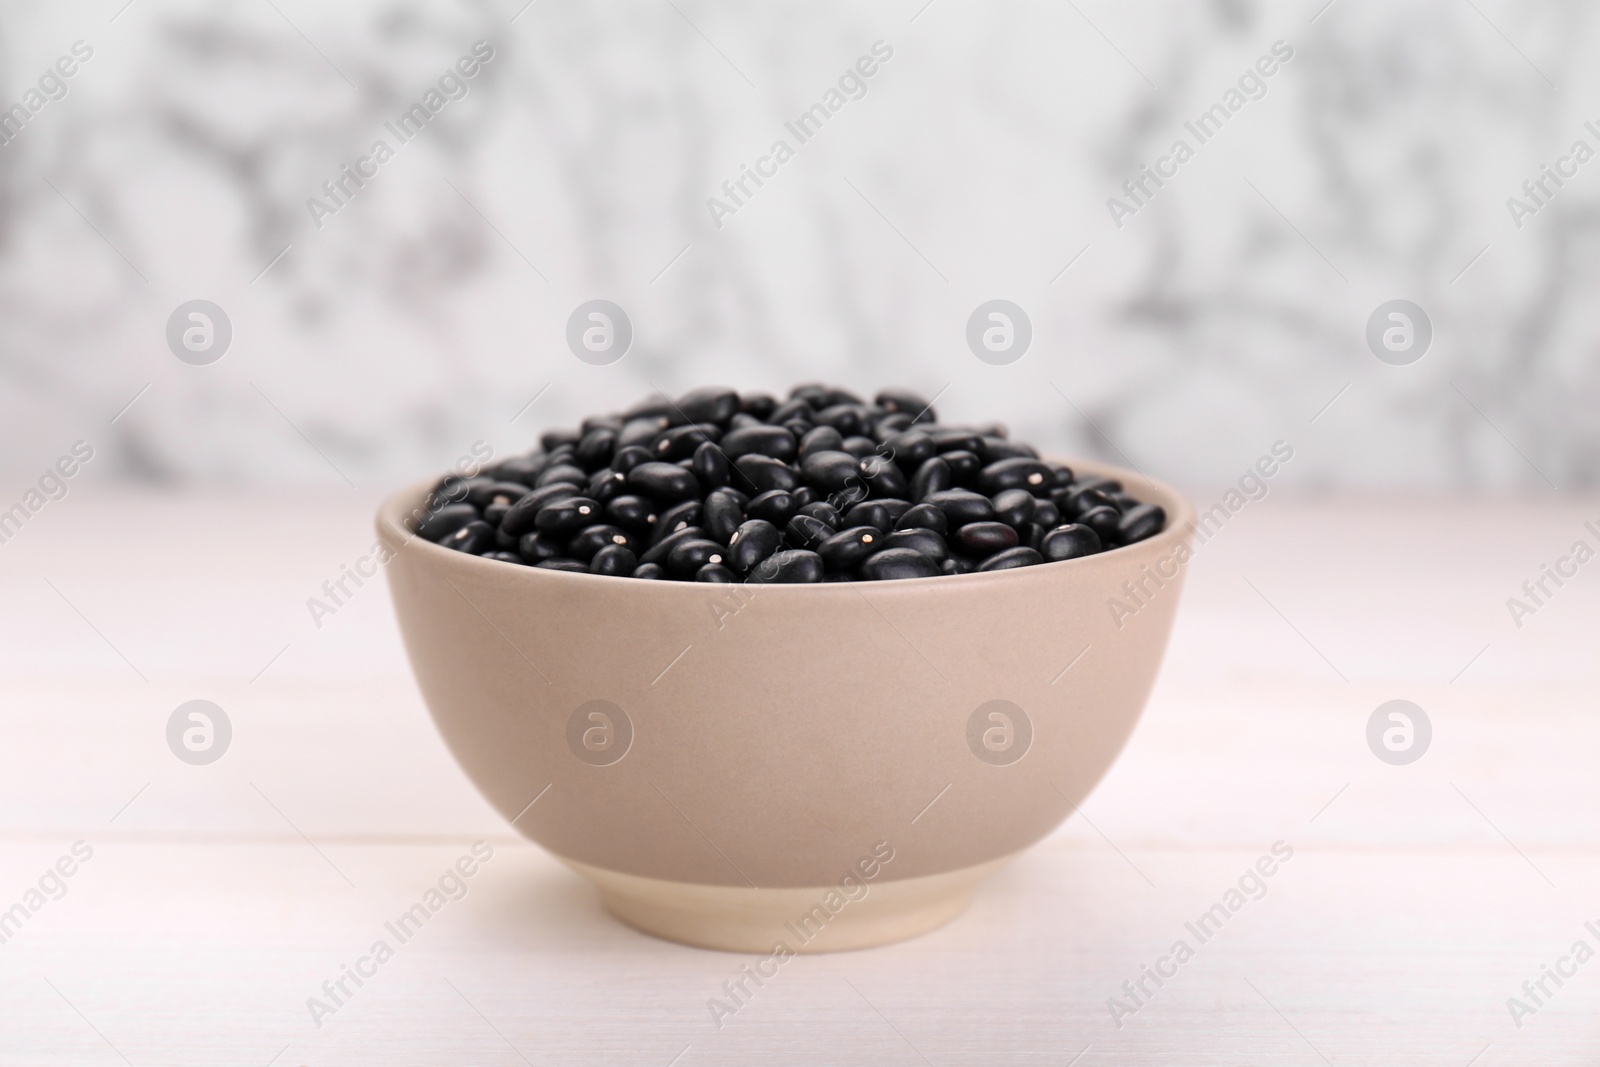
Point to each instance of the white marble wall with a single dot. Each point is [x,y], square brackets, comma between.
[1222,316]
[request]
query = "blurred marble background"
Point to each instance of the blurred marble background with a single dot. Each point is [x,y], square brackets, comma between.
[1227,313]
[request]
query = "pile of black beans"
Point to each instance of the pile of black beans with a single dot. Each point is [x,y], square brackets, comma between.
[716,486]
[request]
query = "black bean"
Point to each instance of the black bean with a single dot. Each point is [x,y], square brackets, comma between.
[813,394]
[606,484]
[911,449]
[576,566]
[887,427]
[1103,521]
[961,506]
[894,563]
[592,539]
[538,547]
[494,513]
[752,542]
[551,439]
[803,531]
[1069,542]
[925,541]
[1013,506]
[844,550]
[742,419]
[765,473]
[1074,501]
[678,517]
[993,449]
[883,476]
[482,494]
[657,553]
[664,482]
[715,572]
[759,405]
[775,506]
[1016,473]
[964,466]
[504,542]
[522,469]
[932,476]
[908,402]
[615,560]
[598,422]
[1060,477]
[874,513]
[805,495]
[710,466]
[520,519]
[1141,522]
[690,555]
[798,427]
[633,513]
[1031,534]
[596,447]
[721,515]
[567,515]
[628,458]
[985,538]
[825,511]
[789,566]
[761,440]
[1021,556]
[860,447]
[641,431]
[561,472]
[437,525]
[669,446]
[1100,482]
[821,439]
[959,564]
[1046,514]
[792,410]
[849,419]
[830,471]
[955,440]
[504,557]
[708,404]
[924,517]
[650,570]
[742,498]
[475,537]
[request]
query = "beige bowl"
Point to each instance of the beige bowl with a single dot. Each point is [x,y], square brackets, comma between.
[787,767]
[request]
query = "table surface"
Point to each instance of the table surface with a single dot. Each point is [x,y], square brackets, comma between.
[218,899]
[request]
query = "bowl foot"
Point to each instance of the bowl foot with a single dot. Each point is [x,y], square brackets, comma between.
[805,919]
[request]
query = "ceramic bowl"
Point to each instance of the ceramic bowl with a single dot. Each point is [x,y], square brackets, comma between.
[787,767]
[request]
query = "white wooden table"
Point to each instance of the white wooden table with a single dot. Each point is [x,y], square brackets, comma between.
[219,898]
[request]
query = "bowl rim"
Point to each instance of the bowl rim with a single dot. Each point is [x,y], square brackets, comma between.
[403,502]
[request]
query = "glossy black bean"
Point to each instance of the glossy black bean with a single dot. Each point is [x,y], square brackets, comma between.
[872,513]
[752,542]
[715,572]
[883,476]
[952,439]
[793,408]
[451,489]
[1100,482]
[438,524]
[597,422]
[1013,506]
[615,560]
[480,494]
[964,467]
[635,514]
[1060,477]
[641,431]
[793,565]
[776,506]
[958,564]
[709,404]
[678,517]
[806,495]
[663,482]
[985,538]
[821,439]
[1046,514]
[849,419]
[1125,501]
[606,485]
[504,542]
[798,427]
[721,515]
[1031,534]
[803,531]
[993,449]
[910,403]
[1069,542]
[710,466]
[538,547]
[550,440]
[961,506]
[1021,556]
[911,449]
[860,447]
[596,447]
[592,539]
[759,405]
[521,469]
[504,557]
[561,472]
[924,517]
[1105,522]
[1074,501]
[925,541]
[932,476]
[475,537]
[764,473]
[896,563]
[657,553]
[567,515]
[742,419]
[830,471]
[650,570]
[690,555]
[886,428]
[1020,472]
[669,446]
[824,511]
[1140,522]
[846,549]
[576,566]
[625,459]
[760,440]
[494,513]
[520,519]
